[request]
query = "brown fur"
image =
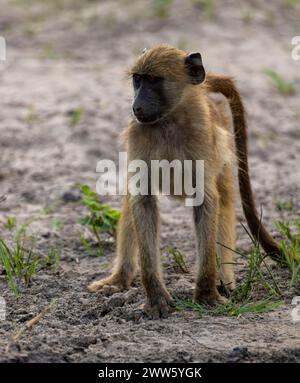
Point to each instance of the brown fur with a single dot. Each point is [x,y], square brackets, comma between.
[196,128]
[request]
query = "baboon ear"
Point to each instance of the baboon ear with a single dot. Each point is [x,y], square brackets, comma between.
[195,69]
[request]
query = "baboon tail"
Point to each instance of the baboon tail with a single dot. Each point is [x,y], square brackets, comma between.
[226,86]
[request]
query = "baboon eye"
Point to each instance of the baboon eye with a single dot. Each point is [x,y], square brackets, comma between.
[137,79]
[154,79]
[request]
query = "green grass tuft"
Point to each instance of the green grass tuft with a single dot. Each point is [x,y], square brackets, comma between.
[283,86]
[162,8]
[19,260]
[290,248]
[76,116]
[285,204]
[10,223]
[230,308]
[179,260]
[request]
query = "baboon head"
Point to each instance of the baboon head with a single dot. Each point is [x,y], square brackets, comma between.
[160,78]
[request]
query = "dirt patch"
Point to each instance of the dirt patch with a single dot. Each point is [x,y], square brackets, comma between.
[74,55]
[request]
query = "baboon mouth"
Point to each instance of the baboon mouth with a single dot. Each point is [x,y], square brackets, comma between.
[147,120]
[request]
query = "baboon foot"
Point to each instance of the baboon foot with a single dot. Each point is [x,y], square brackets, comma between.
[109,285]
[210,298]
[159,307]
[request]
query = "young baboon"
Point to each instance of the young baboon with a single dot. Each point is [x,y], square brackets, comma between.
[175,118]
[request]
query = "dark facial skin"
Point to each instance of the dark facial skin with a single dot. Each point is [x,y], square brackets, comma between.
[149,103]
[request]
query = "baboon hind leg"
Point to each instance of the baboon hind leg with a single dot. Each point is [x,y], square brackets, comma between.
[226,233]
[205,220]
[125,263]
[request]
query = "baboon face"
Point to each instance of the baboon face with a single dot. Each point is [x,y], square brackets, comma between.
[160,77]
[150,103]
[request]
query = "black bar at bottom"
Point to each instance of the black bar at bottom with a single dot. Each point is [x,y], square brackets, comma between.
[113,372]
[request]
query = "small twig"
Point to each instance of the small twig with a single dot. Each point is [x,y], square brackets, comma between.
[29,324]
[2,198]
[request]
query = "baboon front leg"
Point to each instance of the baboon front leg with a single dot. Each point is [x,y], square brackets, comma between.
[125,263]
[146,221]
[205,219]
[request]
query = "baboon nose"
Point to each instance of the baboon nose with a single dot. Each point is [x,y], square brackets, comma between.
[137,109]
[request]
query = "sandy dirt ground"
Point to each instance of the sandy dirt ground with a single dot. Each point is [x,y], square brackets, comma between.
[65,55]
